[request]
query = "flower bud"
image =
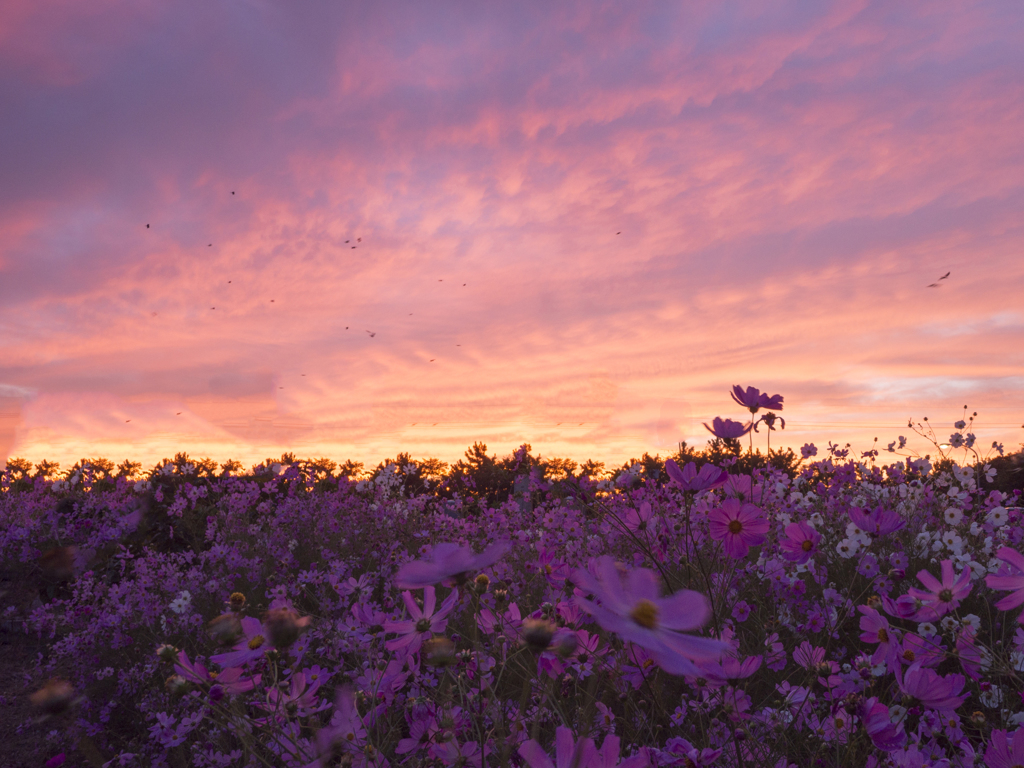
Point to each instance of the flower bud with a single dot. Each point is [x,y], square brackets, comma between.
[537,633]
[283,627]
[236,601]
[225,629]
[438,651]
[480,583]
[54,697]
[167,653]
[177,685]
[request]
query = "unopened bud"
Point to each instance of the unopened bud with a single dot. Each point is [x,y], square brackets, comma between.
[167,653]
[537,633]
[438,651]
[236,601]
[283,627]
[54,697]
[481,583]
[177,685]
[225,629]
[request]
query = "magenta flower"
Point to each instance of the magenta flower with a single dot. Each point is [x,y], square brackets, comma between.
[941,597]
[642,519]
[878,522]
[753,399]
[448,563]
[800,544]
[424,622]
[808,656]
[739,526]
[633,609]
[229,680]
[876,630]
[1008,579]
[568,752]
[679,752]
[1003,752]
[880,727]
[932,689]
[608,756]
[727,428]
[251,647]
[346,732]
[689,479]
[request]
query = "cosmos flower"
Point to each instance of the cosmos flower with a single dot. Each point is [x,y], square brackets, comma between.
[568,752]
[607,756]
[739,526]
[875,629]
[727,428]
[448,562]
[877,522]
[229,681]
[932,689]
[800,544]
[1009,580]
[689,479]
[753,399]
[1004,751]
[424,622]
[878,723]
[252,646]
[941,597]
[630,606]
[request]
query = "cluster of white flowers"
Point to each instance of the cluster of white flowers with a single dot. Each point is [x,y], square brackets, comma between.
[66,485]
[181,603]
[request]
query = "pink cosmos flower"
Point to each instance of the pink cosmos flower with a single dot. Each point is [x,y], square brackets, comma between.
[568,753]
[753,399]
[346,734]
[689,479]
[800,544]
[1004,752]
[808,656]
[251,647]
[679,752]
[642,519]
[608,756]
[631,607]
[727,428]
[448,563]
[424,622]
[878,522]
[932,689]
[738,526]
[230,680]
[942,596]
[1008,579]
[880,727]
[876,630]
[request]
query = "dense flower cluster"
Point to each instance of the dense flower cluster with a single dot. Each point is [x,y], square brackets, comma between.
[848,615]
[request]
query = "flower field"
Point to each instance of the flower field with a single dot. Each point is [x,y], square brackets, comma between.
[713,609]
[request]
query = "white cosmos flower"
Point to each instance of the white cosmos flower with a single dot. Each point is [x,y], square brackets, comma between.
[952,516]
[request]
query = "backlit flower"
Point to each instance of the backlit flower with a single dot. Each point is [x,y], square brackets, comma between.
[424,622]
[739,526]
[1010,577]
[801,542]
[448,562]
[630,606]
[753,399]
[727,428]
[689,479]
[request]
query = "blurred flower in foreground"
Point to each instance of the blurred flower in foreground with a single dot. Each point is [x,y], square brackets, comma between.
[727,428]
[1007,579]
[53,698]
[1003,752]
[568,752]
[631,608]
[447,562]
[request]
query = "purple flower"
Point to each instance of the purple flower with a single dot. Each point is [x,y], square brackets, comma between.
[878,522]
[679,752]
[608,756]
[932,689]
[346,732]
[448,562]
[251,647]
[689,479]
[1003,752]
[727,428]
[739,526]
[228,681]
[753,399]
[942,596]
[880,727]
[876,630]
[633,609]
[800,544]
[424,622]
[1007,579]
[568,753]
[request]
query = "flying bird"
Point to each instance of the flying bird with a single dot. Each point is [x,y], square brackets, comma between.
[147,226]
[432,359]
[372,334]
[126,421]
[232,191]
[936,283]
[179,412]
[618,233]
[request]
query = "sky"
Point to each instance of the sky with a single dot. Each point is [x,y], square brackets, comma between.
[347,229]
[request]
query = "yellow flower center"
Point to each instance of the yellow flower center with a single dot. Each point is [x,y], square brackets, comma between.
[645,614]
[735,526]
[256,642]
[946,595]
[883,636]
[806,545]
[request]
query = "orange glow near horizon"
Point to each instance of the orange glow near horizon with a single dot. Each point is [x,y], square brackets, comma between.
[573,227]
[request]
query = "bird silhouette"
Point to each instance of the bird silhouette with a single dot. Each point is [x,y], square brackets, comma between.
[179,412]
[432,359]
[232,192]
[372,334]
[936,283]
[126,421]
[945,276]
[147,226]
[618,233]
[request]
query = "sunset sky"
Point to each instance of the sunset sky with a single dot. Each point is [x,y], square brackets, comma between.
[377,227]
